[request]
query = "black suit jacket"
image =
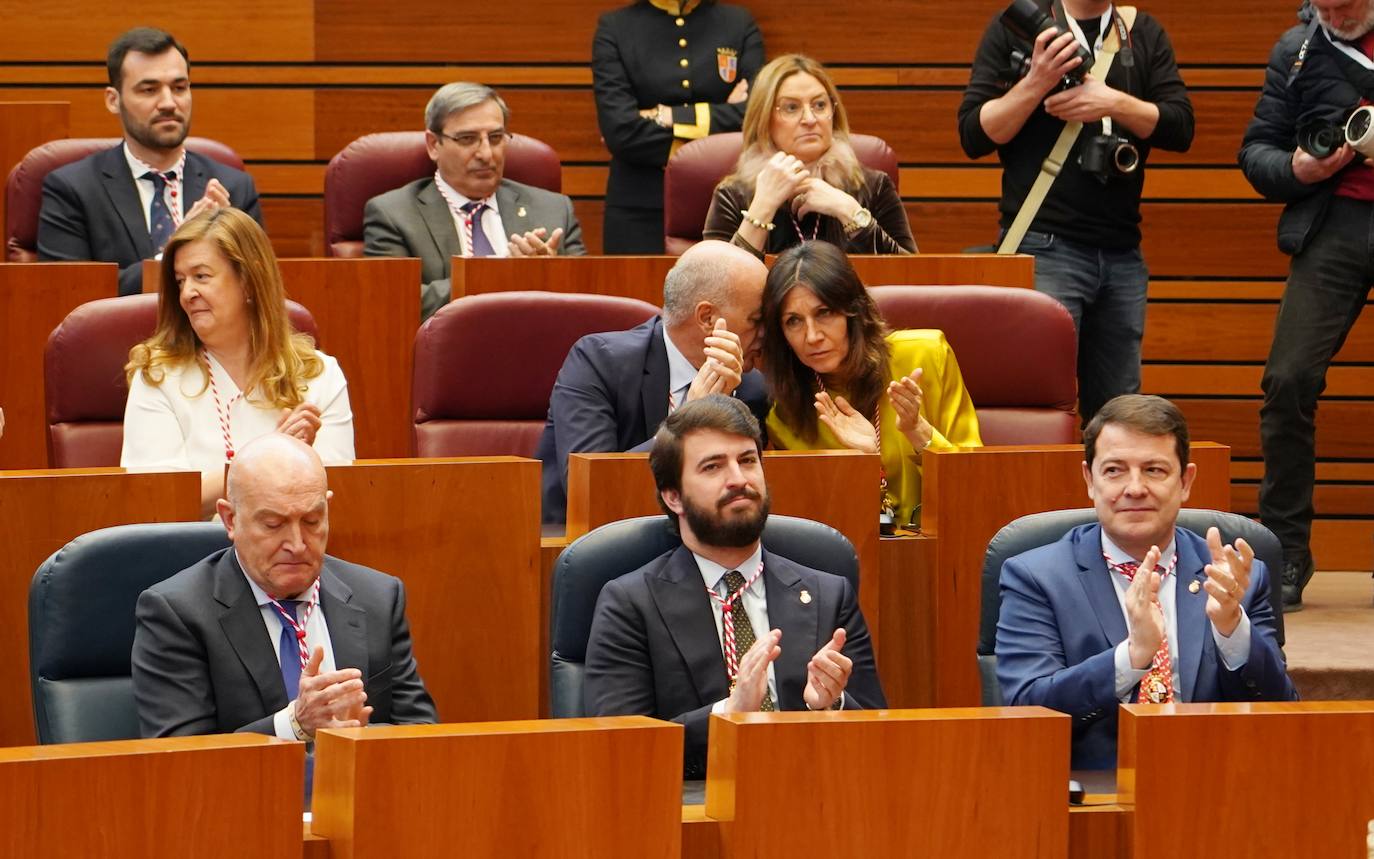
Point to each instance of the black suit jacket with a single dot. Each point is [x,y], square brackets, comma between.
[611,395]
[204,664]
[654,650]
[91,210]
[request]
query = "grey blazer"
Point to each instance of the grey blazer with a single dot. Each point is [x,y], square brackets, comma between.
[204,664]
[414,221]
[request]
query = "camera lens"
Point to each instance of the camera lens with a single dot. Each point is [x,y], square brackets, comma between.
[1126,158]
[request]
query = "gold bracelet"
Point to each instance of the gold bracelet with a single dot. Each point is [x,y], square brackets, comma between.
[760,224]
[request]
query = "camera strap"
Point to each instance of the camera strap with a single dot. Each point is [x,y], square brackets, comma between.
[1054,162]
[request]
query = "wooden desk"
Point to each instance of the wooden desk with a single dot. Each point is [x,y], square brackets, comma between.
[217,797]
[463,534]
[34,298]
[837,487]
[24,125]
[642,276]
[1229,767]
[561,789]
[367,312]
[890,783]
[967,497]
[42,511]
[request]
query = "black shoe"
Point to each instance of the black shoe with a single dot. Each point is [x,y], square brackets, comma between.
[1297,572]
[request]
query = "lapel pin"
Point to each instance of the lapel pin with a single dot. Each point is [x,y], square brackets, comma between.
[805,597]
[1194,586]
[520,212]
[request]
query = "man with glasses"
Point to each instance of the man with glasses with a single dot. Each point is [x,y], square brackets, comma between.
[1086,235]
[467,208]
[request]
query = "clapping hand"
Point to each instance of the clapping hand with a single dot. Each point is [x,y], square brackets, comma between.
[906,398]
[827,673]
[751,681]
[334,699]
[533,243]
[1228,577]
[852,429]
[216,197]
[1145,617]
[303,422]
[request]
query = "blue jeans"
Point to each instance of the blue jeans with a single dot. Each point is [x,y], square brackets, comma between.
[1104,291]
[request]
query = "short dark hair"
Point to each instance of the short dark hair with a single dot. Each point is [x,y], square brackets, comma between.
[144,40]
[717,412]
[1145,414]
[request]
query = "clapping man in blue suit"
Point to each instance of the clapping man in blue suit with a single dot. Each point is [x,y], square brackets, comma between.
[1133,608]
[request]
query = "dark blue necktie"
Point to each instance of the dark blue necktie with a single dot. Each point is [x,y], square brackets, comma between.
[290,652]
[481,245]
[159,218]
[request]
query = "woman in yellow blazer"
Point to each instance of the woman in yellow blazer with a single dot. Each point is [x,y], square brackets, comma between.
[840,379]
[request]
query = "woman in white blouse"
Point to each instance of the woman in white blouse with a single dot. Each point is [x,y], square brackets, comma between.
[224,366]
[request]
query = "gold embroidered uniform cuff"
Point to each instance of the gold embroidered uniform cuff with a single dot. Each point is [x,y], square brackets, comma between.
[699,128]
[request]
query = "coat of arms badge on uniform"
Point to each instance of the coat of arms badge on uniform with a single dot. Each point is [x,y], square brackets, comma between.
[727,64]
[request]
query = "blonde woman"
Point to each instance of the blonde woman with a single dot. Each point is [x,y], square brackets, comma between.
[224,366]
[798,179]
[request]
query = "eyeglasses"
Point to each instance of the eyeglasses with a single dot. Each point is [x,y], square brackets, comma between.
[473,139]
[791,109]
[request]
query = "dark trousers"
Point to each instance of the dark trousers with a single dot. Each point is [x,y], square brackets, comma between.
[629,230]
[1328,284]
[1104,291]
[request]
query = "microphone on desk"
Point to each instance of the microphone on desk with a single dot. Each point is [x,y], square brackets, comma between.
[1075,792]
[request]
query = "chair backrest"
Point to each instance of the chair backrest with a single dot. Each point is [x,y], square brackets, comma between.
[81,624]
[1041,529]
[1017,351]
[24,186]
[622,547]
[376,163]
[471,396]
[83,375]
[694,171]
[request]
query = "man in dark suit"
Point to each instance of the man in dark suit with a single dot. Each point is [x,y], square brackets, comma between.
[615,389]
[467,207]
[272,635]
[662,644]
[1134,608]
[121,205]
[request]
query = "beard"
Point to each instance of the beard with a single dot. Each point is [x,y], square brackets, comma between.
[714,528]
[151,136]
[1350,29]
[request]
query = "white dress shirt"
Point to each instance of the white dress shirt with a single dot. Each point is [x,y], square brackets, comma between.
[754,599]
[175,205]
[316,635]
[490,220]
[681,373]
[1235,650]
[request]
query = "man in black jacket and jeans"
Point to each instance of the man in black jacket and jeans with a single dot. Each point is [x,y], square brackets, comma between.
[1086,236]
[1320,69]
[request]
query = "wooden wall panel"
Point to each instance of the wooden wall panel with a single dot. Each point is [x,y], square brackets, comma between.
[245,31]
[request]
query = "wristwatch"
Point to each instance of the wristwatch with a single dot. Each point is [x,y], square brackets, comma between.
[858,222]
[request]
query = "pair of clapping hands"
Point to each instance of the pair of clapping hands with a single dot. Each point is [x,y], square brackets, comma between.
[826,674]
[856,432]
[334,699]
[1228,577]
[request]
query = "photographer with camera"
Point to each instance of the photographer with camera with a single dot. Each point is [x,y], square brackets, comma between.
[1030,89]
[1319,72]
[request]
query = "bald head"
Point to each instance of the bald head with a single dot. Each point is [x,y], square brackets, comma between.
[277,513]
[713,280]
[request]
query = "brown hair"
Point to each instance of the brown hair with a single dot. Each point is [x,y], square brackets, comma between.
[142,40]
[717,412]
[825,270]
[282,360]
[839,166]
[1145,414]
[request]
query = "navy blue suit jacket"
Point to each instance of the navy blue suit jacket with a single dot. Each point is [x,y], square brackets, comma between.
[91,210]
[1061,622]
[654,650]
[611,395]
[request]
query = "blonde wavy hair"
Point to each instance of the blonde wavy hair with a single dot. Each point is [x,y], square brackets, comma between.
[283,360]
[839,166]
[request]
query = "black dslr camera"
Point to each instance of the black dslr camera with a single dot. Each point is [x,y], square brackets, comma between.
[1108,155]
[1026,20]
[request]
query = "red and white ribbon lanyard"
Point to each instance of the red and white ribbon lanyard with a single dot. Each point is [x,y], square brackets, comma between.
[457,209]
[221,408]
[173,185]
[878,439]
[815,228]
[727,621]
[299,628]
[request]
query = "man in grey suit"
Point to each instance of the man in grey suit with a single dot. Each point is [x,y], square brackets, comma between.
[272,635]
[467,207]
